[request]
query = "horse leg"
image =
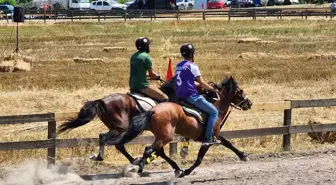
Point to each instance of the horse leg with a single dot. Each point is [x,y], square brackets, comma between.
[203,150]
[100,156]
[177,169]
[149,150]
[242,156]
[103,139]
[185,147]
[134,161]
[121,149]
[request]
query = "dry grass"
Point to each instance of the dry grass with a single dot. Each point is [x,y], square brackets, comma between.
[322,137]
[88,60]
[57,84]
[16,63]
[111,49]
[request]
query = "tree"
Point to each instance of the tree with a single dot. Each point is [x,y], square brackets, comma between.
[11,2]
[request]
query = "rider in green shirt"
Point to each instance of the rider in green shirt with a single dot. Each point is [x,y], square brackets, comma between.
[140,63]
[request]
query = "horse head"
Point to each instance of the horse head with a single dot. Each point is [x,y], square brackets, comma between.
[230,91]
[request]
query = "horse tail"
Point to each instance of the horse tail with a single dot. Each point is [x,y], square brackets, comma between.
[138,124]
[87,113]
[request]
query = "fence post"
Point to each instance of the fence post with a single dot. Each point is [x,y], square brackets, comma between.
[72,15]
[286,141]
[151,13]
[154,14]
[178,15]
[331,15]
[280,13]
[306,14]
[277,12]
[52,135]
[229,14]
[125,13]
[98,17]
[45,16]
[255,14]
[172,149]
[203,15]
[326,14]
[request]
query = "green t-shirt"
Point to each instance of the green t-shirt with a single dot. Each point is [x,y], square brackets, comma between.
[140,63]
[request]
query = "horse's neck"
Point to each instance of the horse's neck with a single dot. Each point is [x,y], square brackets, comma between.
[223,109]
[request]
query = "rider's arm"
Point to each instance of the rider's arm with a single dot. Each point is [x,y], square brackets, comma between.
[148,64]
[152,74]
[203,84]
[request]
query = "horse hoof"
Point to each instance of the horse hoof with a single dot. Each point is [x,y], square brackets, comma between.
[244,158]
[137,161]
[95,157]
[184,152]
[179,173]
[130,170]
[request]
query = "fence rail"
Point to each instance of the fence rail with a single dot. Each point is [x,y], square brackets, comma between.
[176,14]
[52,143]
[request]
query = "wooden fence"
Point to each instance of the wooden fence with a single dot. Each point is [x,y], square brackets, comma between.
[253,13]
[51,143]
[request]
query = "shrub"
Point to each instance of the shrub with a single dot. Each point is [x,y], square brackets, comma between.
[12,2]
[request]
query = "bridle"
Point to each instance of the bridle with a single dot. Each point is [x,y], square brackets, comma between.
[236,106]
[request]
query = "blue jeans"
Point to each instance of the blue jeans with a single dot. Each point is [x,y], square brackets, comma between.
[200,102]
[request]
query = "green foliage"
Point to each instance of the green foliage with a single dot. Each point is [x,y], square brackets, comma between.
[12,2]
[123,1]
[25,1]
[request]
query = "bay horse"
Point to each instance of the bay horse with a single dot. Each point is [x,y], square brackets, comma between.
[116,111]
[167,119]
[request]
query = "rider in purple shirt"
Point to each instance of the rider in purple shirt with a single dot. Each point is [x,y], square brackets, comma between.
[186,74]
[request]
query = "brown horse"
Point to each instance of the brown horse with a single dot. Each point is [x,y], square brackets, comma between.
[116,111]
[166,119]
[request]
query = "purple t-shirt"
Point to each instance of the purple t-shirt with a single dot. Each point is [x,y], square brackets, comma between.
[186,72]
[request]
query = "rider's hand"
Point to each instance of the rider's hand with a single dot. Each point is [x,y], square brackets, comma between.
[158,77]
[215,90]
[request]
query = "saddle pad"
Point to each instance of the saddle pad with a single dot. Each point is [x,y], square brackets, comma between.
[199,115]
[144,103]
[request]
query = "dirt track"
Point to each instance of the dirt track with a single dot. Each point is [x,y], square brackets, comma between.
[285,168]
[312,167]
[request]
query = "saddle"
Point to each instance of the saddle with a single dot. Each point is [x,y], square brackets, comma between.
[190,109]
[144,103]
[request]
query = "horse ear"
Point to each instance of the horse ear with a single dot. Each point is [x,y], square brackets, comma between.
[232,75]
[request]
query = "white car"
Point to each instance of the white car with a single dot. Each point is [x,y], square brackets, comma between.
[129,2]
[185,4]
[106,6]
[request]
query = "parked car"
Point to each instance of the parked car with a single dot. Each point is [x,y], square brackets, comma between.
[7,10]
[185,4]
[216,4]
[106,6]
[129,2]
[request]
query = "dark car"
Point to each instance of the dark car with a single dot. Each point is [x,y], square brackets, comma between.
[7,9]
[153,4]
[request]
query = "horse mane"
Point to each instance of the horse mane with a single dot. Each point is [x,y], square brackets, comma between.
[169,89]
[233,85]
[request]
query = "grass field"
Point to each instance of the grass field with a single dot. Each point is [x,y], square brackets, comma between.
[268,73]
